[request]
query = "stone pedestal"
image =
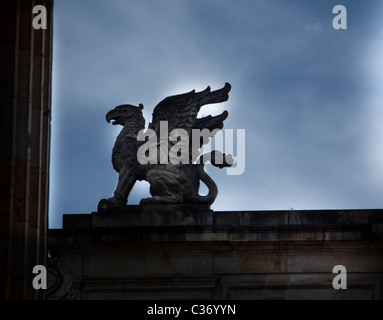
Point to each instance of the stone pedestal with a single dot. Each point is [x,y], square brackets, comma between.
[175,252]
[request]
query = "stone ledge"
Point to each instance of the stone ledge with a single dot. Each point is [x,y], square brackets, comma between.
[145,224]
[209,234]
[198,215]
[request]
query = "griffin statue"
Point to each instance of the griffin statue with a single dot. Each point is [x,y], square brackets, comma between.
[170,182]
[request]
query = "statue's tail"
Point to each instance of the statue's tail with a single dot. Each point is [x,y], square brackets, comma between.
[217,159]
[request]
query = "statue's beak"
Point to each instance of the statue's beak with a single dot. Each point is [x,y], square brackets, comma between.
[109,116]
[114,116]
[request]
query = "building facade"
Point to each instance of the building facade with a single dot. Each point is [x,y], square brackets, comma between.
[165,252]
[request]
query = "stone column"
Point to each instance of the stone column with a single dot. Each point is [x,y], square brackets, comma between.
[26,68]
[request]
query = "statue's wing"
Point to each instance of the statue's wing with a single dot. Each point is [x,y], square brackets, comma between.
[212,124]
[180,112]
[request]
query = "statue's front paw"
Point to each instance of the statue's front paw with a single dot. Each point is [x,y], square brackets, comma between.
[109,204]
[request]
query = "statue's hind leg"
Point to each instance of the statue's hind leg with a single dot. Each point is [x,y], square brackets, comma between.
[164,187]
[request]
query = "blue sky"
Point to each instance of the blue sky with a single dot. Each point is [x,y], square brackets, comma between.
[309,97]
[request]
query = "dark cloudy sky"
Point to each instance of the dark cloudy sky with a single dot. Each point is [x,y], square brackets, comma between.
[309,97]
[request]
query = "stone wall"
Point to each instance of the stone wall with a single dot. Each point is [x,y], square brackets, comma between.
[174,252]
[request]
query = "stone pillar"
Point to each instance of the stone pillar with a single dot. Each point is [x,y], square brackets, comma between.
[26,68]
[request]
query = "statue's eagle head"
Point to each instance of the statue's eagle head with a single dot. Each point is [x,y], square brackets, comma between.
[123,113]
